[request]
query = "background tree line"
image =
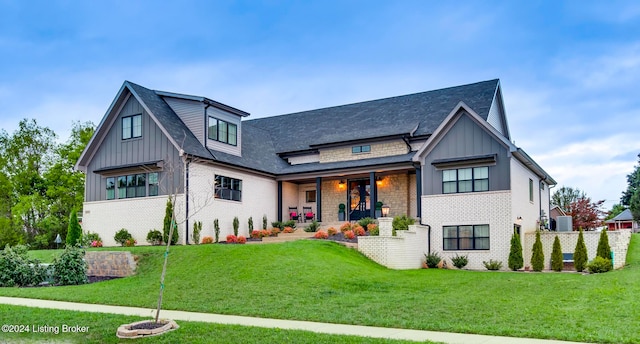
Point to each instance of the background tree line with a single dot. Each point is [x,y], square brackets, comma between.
[38,185]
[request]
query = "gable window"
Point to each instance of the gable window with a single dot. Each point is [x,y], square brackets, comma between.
[310,196]
[361,149]
[472,179]
[474,237]
[111,188]
[228,188]
[222,131]
[131,127]
[530,190]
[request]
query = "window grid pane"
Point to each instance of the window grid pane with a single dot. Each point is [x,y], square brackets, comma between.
[222,131]
[228,188]
[465,237]
[233,137]
[126,128]
[213,129]
[137,126]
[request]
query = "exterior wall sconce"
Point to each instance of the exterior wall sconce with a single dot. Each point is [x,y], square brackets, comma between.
[379,181]
[519,220]
[341,184]
[385,210]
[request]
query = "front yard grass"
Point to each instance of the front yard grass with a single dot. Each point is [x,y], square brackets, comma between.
[323,281]
[102,329]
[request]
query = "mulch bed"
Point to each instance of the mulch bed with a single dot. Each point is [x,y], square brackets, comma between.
[150,325]
[341,238]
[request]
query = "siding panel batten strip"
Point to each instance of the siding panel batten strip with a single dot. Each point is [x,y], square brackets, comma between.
[374,195]
[319,199]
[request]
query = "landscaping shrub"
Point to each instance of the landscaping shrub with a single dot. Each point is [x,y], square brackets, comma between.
[197,228]
[402,222]
[231,239]
[207,240]
[255,234]
[580,258]
[264,221]
[604,250]
[364,222]
[236,224]
[74,231]
[216,229]
[96,243]
[154,237]
[290,223]
[515,253]
[373,229]
[432,259]
[460,261]
[168,222]
[332,231]
[349,235]
[345,227]
[88,238]
[241,239]
[321,235]
[313,227]
[277,224]
[250,224]
[556,256]
[70,267]
[274,232]
[537,257]
[17,269]
[130,242]
[122,236]
[493,264]
[267,232]
[288,230]
[359,230]
[599,265]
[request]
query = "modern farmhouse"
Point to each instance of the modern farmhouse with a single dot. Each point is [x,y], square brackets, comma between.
[444,156]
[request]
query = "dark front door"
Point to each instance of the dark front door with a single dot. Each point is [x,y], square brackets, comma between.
[359,199]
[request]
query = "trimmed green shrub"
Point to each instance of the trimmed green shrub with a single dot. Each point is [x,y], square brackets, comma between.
[556,256]
[365,221]
[290,223]
[74,231]
[599,265]
[250,223]
[537,257]
[197,228]
[17,269]
[168,222]
[313,227]
[216,229]
[122,236]
[154,237]
[460,261]
[515,253]
[264,221]
[236,224]
[580,258]
[89,237]
[604,250]
[70,267]
[493,264]
[402,222]
[432,259]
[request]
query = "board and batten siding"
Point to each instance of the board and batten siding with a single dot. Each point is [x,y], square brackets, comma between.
[495,116]
[466,139]
[113,152]
[230,118]
[192,114]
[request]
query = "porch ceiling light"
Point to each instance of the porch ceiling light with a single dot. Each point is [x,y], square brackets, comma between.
[385,210]
[341,184]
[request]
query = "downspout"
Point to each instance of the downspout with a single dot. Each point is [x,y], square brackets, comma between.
[406,141]
[186,201]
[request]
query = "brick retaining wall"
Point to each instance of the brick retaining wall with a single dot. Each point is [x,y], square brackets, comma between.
[110,263]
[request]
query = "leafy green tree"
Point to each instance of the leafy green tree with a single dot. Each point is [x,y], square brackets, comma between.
[633,184]
[604,250]
[556,256]
[564,196]
[616,210]
[537,258]
[634,205]
[580,254]
[74,231]
[515,254]
[169,220]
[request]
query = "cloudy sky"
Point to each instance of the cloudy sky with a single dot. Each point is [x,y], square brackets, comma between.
[570,71]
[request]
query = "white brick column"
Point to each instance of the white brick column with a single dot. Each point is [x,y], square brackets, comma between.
[385,225]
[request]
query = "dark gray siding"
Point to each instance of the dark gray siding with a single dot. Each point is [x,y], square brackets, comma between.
[191,113]
[466,139]
[113,152]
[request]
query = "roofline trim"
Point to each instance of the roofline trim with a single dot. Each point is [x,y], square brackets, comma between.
[204,100]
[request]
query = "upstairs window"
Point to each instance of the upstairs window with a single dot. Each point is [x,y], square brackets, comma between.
[472,179]
[222,131]
[228,188]
[131,127]
[361,149]
[531,190]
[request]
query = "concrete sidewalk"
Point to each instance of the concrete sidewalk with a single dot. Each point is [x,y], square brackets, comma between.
[355,330]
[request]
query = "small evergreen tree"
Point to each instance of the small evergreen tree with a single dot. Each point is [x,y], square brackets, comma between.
[264,221]
[236,224]
[537,258]
[580,254]
[216,229]
[250,222]
[168,221]
[515,254]
[604,250]
[556,256]
[74,231]
[197,228]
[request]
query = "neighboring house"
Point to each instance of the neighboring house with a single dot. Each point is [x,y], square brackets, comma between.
[444,156]
[624,220]
[553,216]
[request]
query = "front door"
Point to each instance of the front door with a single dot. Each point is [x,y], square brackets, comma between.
[359,199]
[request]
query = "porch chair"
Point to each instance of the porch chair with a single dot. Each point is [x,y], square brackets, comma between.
[308,214]
[294,214]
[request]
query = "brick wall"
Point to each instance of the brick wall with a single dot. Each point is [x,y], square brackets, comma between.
[405,251]
[394,192]
[618,241]
[332,196]
[388,148]
[110,263]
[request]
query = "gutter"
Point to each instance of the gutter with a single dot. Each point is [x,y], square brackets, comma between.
[186,201]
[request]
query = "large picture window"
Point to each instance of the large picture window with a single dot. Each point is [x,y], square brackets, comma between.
[131,127]
[472,179]
[228,188]
[222,131]
[472,237]
[133,185]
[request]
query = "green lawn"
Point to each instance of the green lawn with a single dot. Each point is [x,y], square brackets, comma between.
[323,281]
[102,329]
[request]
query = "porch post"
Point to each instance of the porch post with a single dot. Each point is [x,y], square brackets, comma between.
[373,196]
[419,191]
[279,210]
[319,199]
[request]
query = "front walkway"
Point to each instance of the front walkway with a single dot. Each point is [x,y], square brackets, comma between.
[364,331]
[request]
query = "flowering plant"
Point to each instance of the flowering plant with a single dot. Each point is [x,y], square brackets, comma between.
[241,239]
[231,239]
[358,230]
[332,231]
[345,227]
[349,234]
[130,242]
[321,235]
[96,243]
[207,240]
[372,226]
[256,234]
[288,230]
[275,231]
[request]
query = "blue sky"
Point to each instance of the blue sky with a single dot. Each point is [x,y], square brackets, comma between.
[570,71]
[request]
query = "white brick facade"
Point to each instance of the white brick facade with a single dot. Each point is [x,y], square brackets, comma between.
[405,251]
[482,208]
